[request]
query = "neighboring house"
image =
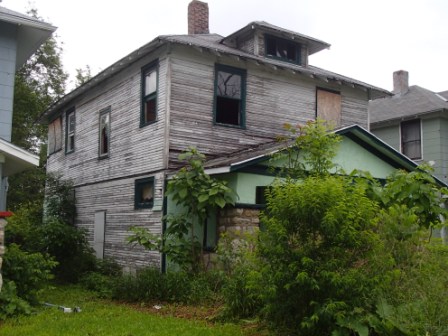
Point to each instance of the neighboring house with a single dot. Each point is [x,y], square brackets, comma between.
[415,122]
[20,37]
[118,136]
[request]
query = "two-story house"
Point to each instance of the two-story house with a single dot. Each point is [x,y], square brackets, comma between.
[118,136]
[415,122]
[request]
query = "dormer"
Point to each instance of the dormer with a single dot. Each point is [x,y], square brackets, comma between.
[265,40]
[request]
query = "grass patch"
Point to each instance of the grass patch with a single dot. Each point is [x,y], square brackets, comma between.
[100,317]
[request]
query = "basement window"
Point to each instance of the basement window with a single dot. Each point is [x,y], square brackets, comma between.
[282,49]
[411,141]
[144,193]
[104,132]
[230,92]
[329,106]
[55,136]
[149,94]
[70,123]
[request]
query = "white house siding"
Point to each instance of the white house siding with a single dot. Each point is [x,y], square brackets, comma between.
[135,152]
[273,98]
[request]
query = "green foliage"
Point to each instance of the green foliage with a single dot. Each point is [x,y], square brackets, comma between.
[319,254]
[70,248]
[197,194]
[309,149]
[419,192]
[30,272]
[83,75]
[10,304]
[60,199]
[240,291]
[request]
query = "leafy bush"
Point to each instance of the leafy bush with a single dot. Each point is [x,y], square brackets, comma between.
[10,304]
[30,272]
[69,247]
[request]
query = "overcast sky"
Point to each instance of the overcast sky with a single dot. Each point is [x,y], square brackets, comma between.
[369,39]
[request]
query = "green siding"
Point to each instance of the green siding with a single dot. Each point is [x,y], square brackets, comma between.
[390,135]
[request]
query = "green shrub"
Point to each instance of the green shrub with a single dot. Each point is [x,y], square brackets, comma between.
[29,271]
[69,247]
[10,304]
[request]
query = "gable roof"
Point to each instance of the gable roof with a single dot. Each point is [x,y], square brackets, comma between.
[213,43]
[31,33]
[417,101]
[314,45]
[239,160]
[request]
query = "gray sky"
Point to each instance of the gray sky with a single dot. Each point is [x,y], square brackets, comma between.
[370,39]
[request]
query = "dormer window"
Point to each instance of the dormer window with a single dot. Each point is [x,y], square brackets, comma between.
[282,49]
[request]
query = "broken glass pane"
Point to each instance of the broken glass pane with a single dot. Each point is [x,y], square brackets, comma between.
[229,85]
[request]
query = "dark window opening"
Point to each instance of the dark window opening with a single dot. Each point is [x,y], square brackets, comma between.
[144,193]
[149,95]
[282,49]
[229,96]
[104,132]
[260,195]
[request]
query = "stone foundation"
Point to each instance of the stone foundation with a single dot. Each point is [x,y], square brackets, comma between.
[238,221]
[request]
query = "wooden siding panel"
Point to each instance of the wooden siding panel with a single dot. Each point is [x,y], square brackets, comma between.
[117,199]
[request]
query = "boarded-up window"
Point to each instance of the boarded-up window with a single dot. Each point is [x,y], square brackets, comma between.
[55,136]
[328,106]
[411,143]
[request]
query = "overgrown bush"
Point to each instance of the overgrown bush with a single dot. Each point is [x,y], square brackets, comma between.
[30,272]
[10,303]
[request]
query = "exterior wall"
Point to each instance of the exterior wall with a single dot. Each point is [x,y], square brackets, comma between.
[135,152]
[442,170]
[273,98]
[2,247]
[389,134]
[8,49]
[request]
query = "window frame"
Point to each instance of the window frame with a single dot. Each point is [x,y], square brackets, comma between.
[242,109]
[105,111]
[57,136]
[420,140]
[297,46]
[71,134]
[153,66]
[339,122]
[138,185]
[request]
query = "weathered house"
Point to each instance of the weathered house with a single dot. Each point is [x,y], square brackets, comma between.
[119,135]
[415,122]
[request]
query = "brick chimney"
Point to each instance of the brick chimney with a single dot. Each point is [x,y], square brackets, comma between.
[198,17]
[401,82]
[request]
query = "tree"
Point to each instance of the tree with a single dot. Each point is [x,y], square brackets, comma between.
[83,76]
[38,84]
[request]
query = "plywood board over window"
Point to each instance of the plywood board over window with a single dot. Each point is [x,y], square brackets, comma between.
[329,106]
[55,136]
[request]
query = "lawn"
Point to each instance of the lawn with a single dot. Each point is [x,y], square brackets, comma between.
[100,317]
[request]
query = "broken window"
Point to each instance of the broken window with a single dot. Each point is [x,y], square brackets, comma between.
[411,142]
[149,95]
[55,136]
[329,106]
[282,49]
[104,132]
[230,86]
[70,131]
[144,193]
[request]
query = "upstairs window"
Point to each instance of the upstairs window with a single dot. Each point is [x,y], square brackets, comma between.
[70,123]
[282,49]
[104,133]
[230,91]
[144,193]
[149,94]
[329,106]
[55,136]
[411,141]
